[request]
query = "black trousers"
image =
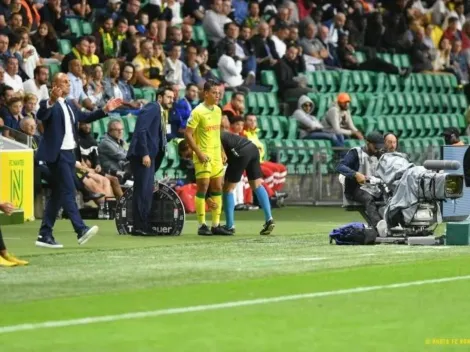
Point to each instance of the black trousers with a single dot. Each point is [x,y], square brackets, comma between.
[379,65]
[368,201]
[142,195]
[2,244]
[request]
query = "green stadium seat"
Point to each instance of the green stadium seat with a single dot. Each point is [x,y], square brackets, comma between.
[278,152]
[216,73]
[138,93]
[355,106]
[227,97]
[386,57]
[303,156]
[465,139]
[265,127]
[268,78]
[96,130]
[273,103]
[325,101]
[251,103]
[65,46]
[129,125]
[276,127]
[53,70]
[360,56]
[393,83]
[284,126]
[405,61]
[409,127]
[150,94]
[292,154]
[429,82]
[419,84]
[345,82]
[293,130]
[199,35]
[74,26]
[172,155]
[263,106]
[396,60]
[352,143]
[87,28]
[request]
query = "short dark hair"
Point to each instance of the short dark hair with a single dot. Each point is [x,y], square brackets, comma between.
[235,94]
[161,91]
[182,147]
[189,85]
[38,69]
[210,83]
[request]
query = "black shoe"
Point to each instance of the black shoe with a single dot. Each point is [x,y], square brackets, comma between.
[268,227]
[222,231]
[229,229]
[47,242]
[91,196]
[204,231]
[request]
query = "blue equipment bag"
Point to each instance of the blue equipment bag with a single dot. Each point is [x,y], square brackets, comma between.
[354,233]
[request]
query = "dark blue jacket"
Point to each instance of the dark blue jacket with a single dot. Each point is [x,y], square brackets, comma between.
[348,167]
[148,136]
[54,127]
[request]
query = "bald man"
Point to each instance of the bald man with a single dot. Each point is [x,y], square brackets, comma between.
[60,119]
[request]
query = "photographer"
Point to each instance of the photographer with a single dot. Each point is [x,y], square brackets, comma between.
[358,165]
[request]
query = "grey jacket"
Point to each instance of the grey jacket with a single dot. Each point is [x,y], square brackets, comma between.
[338,121]
[111,153]
[307,121]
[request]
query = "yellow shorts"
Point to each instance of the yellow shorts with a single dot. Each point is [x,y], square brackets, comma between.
[212,169]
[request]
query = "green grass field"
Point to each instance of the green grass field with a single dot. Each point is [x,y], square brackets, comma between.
[289,292]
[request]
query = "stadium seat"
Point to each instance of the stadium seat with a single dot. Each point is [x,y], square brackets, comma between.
[172,155]
[199,35]
[276,127]
[251,103]
[87,27]
[272,102]
[360,56]
[419,84]
[290,146]
[138,93]
[74,26]
[303,156]
[65,46]
[265,127]
[53,69]
[129,125]
[284,126]
[268,78]
[278,152]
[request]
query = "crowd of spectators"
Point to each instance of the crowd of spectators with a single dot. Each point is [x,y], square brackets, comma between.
[146,45]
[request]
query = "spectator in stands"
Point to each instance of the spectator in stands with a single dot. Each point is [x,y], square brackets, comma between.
[452,32]
[349,61]
[15,22]
[279,38]
[338,119]
[127,76]
[46,42]
[452,136]
[391,142]
[163,15]
[288,71]
[113,10]
[336,29]
[375,31]
[77,94]
[421,58]
[80,8]
[80,53]
[91,57]
[356,167]
[130,14]
[236,105]
[253,20]
[148,70]
[114,87]
[112,149]
[193,12]
[91,163]
[2,74]
[123,43]
[4,44]
[175,8]
[11,77]
[265,49]
[458,14]
[105,46]
[185,105]
[176,37]
[442,60]
[231,68]
[293,38]
[6,93]
[214,21]
[191,72]
[204,68]
[459,61]
[38,84]
[310,126]
[314,50]
[95,87]
[30,102]
[173,68]
[13,118]
[29,53]
[52,13]
[187,36]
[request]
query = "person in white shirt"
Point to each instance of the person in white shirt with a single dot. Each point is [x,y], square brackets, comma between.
[231,67]
[174,67]
[29,53]
[280,37]
[37,85]
[11,77]
[336,28]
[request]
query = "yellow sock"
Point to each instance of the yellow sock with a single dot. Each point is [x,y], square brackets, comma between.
[217,198]
[201,208]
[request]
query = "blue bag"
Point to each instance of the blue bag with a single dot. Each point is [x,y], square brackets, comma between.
[354,233]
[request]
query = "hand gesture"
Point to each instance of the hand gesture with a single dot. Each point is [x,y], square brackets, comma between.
[56,93]
[360,178]
[203,158]
[146,161]
[7,208]
[112,104]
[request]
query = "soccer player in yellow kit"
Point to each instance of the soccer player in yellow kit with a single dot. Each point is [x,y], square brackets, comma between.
[203,136]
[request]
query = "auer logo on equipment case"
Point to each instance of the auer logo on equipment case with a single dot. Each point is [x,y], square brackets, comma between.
[166,219]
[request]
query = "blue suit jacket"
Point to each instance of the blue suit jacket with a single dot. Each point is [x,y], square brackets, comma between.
[148,134]
[54,127]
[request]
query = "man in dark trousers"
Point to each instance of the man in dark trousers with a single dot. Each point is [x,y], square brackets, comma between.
[146,152]
[60,119]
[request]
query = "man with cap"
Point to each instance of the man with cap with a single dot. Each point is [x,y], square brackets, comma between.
[338,118]
[452,136]
[358,165]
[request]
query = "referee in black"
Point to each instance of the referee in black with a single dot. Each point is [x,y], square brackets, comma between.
[242,155]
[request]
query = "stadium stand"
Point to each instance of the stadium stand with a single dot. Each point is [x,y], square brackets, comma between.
[425,97]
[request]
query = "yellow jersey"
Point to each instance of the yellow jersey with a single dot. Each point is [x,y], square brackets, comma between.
[253,137]
[206,124]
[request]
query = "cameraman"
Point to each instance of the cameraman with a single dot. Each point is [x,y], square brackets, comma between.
[358,165]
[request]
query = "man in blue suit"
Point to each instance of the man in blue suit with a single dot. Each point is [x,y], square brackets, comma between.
[60,119]
[146,152]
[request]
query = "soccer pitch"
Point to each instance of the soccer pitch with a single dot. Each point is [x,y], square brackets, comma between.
[292,291]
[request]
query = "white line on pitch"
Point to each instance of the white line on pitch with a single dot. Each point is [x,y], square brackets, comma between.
[217,306]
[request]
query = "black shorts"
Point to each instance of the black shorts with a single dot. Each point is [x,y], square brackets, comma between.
[248,161]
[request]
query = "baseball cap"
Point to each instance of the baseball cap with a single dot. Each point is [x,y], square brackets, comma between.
[376,138]
[344,98]
[449,131]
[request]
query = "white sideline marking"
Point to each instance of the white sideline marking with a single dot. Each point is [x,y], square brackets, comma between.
[209,307]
